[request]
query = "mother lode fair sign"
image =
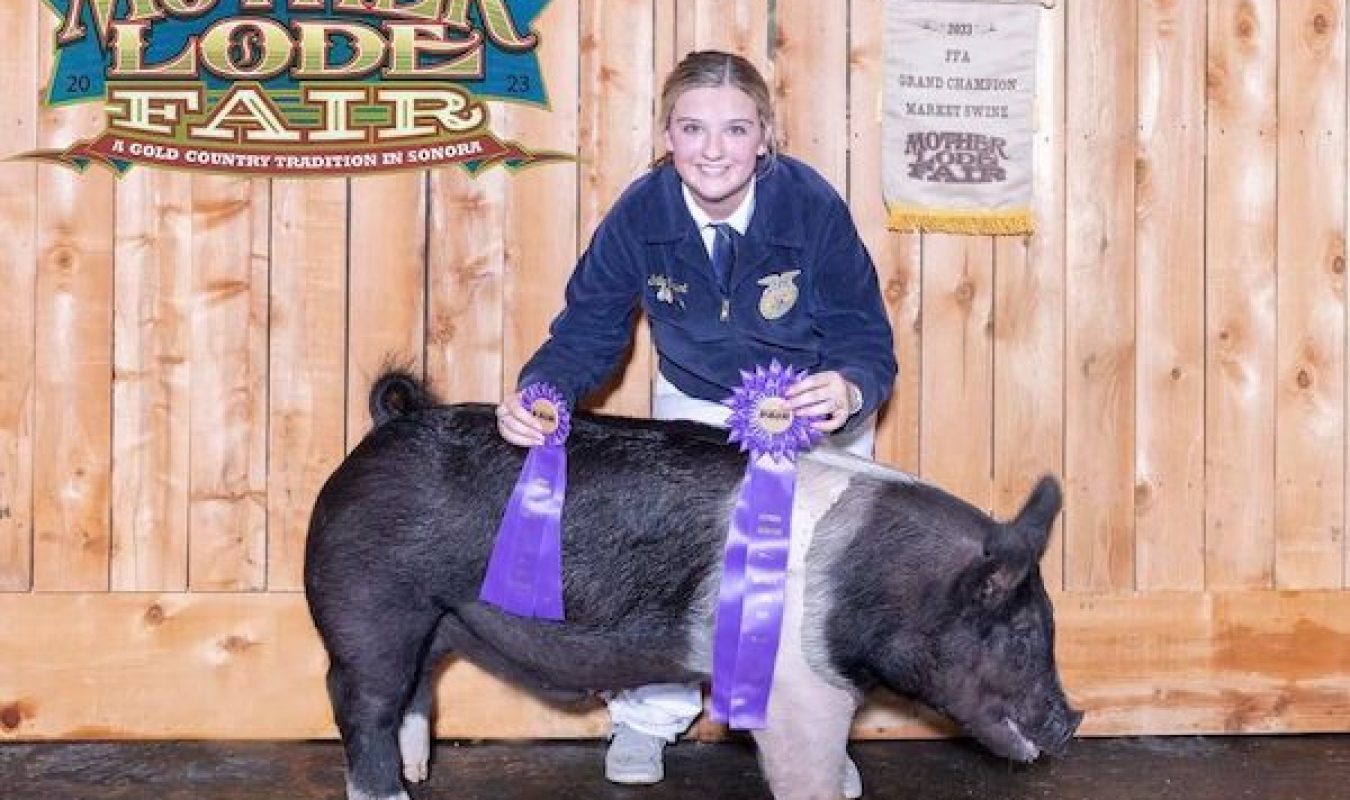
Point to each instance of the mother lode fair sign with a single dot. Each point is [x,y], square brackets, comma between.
[296,87]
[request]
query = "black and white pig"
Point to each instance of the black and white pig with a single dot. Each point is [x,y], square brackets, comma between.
[891,582]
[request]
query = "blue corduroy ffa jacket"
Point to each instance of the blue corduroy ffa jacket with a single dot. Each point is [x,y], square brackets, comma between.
[803,290]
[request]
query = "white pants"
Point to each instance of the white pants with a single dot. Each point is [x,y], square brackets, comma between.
[668,709]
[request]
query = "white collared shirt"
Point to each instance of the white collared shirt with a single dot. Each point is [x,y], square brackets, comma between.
[739,219]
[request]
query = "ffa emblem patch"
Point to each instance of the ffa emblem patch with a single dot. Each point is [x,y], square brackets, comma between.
[780,294]
[667,290]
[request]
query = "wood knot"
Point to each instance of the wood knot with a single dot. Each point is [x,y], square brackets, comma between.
[444,331]
[1338,265]
[964,293]
[1216,76]
[1246,22]
[154,615]
[11,716]
[1320,24]
[236,644]
[64,262]
[1304,379]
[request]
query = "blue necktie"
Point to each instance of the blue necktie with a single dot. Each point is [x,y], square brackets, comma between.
[723,252]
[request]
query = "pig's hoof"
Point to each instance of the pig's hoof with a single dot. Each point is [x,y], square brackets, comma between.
[415,773]
[414,746]
[354,793]
[852,780]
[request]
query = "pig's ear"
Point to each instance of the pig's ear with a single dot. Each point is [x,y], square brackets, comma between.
[1014,548]
[1033,521]
[1007,562]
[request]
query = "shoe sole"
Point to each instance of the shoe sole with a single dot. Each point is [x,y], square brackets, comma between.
[633,778]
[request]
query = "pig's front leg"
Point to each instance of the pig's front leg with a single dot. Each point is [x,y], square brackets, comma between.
[803,753]
[803,748]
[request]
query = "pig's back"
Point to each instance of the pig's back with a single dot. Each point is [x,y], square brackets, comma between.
[646,510]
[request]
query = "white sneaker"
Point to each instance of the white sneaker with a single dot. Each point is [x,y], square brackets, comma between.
[634,757]
[852,780]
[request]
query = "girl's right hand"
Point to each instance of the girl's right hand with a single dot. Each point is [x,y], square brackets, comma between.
[516,424]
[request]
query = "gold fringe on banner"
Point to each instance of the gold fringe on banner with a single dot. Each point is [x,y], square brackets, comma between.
[975,222]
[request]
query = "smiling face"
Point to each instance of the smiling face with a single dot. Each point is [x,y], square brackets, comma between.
[715,136]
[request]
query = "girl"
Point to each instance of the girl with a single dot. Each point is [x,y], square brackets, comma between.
[738,255]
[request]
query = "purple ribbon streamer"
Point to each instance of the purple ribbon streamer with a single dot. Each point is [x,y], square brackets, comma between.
[755,559]
[524,573]
[750,602]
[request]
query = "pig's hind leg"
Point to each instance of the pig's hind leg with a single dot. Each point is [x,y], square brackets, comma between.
[373,667]
[414,732]
[455,636]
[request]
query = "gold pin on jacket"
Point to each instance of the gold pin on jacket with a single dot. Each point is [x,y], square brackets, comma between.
[780,294]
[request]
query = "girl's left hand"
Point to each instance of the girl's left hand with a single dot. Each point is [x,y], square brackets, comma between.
[823,395]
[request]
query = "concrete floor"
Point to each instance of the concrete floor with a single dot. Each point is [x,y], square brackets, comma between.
[1188,768]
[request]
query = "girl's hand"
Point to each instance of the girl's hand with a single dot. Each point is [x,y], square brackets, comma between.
[517,425]
[823,395]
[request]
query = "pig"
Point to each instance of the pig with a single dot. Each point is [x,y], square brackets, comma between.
[891,582]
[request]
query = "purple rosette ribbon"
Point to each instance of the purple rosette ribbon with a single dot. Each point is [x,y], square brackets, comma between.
[524,573]
[755,560]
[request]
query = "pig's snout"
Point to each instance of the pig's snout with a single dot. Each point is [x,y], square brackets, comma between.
[1059,729]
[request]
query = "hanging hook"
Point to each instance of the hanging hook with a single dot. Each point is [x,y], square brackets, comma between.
[1046,4]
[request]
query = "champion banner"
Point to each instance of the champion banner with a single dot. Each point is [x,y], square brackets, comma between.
[957,116]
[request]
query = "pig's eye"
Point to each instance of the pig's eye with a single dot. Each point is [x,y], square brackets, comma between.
[1019,653]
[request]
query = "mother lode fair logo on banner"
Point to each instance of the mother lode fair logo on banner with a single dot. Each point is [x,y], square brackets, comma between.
[296,88]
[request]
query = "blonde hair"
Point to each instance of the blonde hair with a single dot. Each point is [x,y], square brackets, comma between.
[703,69]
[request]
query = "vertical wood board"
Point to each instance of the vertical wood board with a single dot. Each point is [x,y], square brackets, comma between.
[1170,268]
[1240,304]
[308,359]
[152,344]
[955,449]
[72,455]
[18,206]
[1100,298]
[811,59]
[617,97]
[1310,396]
[896,255]
[540,255]
[386,285]
[227,509]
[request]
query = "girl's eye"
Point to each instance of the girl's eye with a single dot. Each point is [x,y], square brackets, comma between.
[689,128]
[738,130]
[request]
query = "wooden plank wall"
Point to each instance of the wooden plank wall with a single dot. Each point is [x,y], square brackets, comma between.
[183,359]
